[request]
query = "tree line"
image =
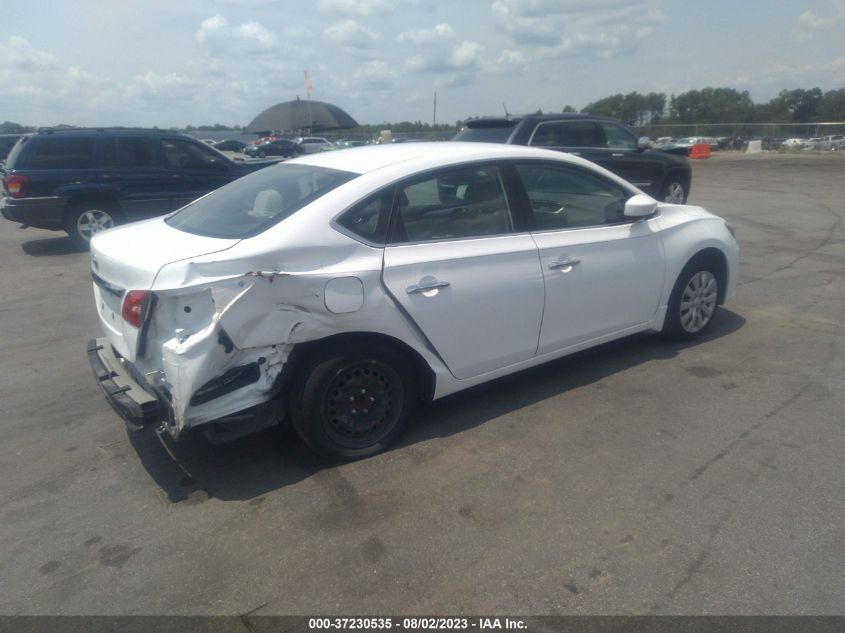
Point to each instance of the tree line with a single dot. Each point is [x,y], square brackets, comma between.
[721,105]
[708,105]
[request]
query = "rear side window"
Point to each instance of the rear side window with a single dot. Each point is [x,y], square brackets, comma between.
[257,201]
[130,151]
[568,134]
[62,153]
[368,219]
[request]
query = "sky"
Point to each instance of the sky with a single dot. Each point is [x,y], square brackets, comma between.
[172,63]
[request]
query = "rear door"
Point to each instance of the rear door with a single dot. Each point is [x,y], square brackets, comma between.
[134,167]
[465,270]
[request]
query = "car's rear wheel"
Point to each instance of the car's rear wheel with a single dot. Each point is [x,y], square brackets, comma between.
[353,401]
[86,219]
[674,191]
[693,302]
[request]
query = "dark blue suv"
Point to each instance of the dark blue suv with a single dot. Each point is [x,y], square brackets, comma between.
[85,180]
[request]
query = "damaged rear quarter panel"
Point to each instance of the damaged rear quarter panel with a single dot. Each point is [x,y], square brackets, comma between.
[253,306]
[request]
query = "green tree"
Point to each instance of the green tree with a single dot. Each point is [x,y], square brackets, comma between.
[832,106]
[633,108]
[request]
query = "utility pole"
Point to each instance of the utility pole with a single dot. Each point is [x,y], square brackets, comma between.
[434,118]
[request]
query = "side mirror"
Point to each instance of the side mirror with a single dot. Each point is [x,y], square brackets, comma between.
[644,142]
[640,206]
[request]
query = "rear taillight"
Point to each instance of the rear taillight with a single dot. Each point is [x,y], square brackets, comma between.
[135,305]
[17,186]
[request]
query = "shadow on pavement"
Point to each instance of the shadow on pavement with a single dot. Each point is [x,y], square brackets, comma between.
[52,246]
[275,458]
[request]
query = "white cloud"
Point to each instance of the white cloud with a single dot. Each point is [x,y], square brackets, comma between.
[216,34]
[437,50]
[351,34]
[428,36]
[465,55]
[810,22]
[20,54]
[253,30]
[550,29]
[356,7]
[209,27]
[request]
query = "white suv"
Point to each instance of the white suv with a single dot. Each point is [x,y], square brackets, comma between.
[311,144]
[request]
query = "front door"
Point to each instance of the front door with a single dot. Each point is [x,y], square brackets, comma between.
[603,272]
[194,170]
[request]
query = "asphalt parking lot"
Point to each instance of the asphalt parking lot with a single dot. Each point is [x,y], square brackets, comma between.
[640,477]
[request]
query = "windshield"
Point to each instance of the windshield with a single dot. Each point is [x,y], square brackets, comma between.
[256,202]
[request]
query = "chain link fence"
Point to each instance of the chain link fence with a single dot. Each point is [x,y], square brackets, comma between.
[743,131]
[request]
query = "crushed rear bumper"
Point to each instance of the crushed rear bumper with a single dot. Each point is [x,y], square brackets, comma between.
[127,397]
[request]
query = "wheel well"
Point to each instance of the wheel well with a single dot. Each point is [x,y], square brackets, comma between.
[302,351]
[717,259]
[681,175]
[77,201]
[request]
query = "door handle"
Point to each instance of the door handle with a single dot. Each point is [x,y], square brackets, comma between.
[563,263]
[432,285]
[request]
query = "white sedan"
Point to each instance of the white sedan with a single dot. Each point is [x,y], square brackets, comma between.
[340,288]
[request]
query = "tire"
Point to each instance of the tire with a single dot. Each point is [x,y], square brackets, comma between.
[84,219]
[693,302]
[674,190]
[262,154]
[353,401]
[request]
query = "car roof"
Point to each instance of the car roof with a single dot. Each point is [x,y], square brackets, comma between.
[362,160]
[88,131]
[513,119]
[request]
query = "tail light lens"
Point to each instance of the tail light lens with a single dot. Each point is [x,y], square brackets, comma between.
[135,305]
[17,186]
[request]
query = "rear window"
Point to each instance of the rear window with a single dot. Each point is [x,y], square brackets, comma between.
[257,201]
[6,145]
[62,153]
[12,158]
[498,133]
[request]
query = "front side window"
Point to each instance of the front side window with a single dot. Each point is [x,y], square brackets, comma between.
[618,137]
[182,154]
[63,153]
[564,197]
[460,203]
[257,201]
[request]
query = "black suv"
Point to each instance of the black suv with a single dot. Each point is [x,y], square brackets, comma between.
[86,180]
[604,141]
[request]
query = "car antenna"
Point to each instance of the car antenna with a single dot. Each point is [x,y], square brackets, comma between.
[506,109]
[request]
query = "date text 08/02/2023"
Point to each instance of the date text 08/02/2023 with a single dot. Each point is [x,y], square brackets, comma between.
[419,623]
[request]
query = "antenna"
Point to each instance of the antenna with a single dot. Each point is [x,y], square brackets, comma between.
[506,109]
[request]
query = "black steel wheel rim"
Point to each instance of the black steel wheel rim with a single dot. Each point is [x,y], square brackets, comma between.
[362,403]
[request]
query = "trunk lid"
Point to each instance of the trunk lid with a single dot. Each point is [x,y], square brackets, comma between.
[129,258]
